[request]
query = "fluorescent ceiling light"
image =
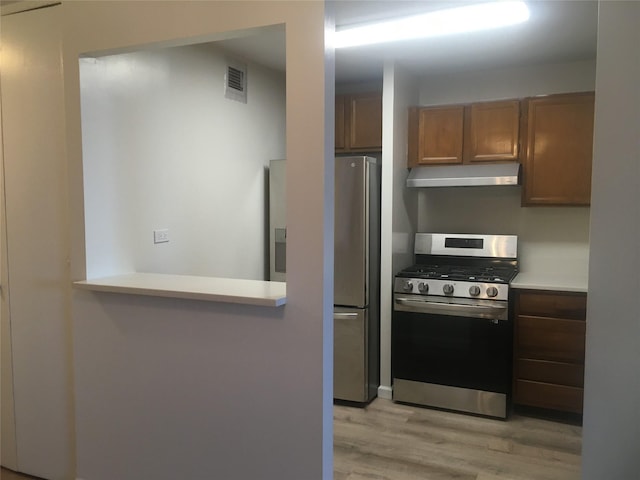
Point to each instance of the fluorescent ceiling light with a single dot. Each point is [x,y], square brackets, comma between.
[471,18]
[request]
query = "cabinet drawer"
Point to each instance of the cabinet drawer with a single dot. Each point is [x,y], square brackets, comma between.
[550,372]
[552,339]
[547,395]
[562,305]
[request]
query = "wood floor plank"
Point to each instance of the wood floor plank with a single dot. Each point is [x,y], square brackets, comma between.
[397,442]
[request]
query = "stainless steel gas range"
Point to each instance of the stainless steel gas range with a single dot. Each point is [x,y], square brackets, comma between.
[452,331]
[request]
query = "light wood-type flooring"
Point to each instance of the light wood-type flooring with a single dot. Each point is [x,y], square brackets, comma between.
[390,441]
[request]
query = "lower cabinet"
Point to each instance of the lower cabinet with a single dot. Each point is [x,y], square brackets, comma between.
[549,340]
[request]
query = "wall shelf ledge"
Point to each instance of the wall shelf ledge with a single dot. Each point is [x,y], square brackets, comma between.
[213,289]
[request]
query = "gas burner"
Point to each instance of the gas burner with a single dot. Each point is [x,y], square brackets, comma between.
[456,272]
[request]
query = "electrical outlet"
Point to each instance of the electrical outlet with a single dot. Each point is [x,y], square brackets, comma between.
[161,236]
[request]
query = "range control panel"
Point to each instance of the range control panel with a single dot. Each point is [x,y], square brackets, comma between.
[452,288]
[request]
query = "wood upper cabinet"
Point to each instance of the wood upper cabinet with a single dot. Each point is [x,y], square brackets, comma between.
[453,134]
[359,122]
[558,143]
[492,131]
[549,345]
[365,121]
[435,135]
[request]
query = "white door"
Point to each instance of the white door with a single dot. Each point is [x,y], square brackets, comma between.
[36,243]
[8,456]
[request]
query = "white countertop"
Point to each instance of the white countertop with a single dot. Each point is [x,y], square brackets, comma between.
[228,290]
[551,281]
[561,266]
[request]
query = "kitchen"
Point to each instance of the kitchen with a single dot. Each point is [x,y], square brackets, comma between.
[552,241]
[193,174]
[163,320]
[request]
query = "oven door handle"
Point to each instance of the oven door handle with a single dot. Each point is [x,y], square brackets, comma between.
[459,309]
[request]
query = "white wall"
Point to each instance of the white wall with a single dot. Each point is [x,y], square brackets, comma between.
[549,237]
[8,454]
[504,83]
[37,245]
[357,87]
[551,240]
[164,149]
[404,87]
[187,389]
[611,433]
[399,207]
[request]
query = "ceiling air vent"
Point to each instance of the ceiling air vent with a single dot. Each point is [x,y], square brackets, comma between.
[235,84]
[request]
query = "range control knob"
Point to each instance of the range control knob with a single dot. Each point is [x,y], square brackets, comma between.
[474,290]
[423,287]
[447,288]
[492,292]
[408,286]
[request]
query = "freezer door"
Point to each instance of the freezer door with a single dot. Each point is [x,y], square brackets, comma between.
[351,231]
[350,354]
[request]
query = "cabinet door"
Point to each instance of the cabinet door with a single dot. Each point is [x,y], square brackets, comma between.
[340,143]
[559,150]
[365,121]
[440,135]
[492,131]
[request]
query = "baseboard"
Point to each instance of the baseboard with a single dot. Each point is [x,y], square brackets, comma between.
[385,392]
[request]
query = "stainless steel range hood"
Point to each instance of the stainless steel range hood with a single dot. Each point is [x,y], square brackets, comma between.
[464,175]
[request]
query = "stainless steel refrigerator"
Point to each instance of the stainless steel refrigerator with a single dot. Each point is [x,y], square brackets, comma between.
[356,316]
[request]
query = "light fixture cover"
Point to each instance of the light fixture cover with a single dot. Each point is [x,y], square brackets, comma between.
[471,18]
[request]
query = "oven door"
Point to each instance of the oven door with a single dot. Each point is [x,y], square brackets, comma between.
[452,354]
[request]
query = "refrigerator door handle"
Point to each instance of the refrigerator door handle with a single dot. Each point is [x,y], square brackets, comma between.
[344,315]
[280,250]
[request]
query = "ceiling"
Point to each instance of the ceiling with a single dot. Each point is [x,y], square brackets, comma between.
[557,31]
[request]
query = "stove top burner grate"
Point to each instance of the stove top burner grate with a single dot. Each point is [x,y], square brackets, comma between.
[462,273]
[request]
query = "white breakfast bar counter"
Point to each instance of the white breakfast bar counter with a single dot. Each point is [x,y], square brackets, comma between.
[213,289]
